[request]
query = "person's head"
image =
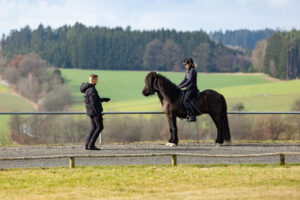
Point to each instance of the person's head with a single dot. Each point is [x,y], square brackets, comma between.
[93,79]
[189,63]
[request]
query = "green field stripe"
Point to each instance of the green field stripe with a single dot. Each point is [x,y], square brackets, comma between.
[277,88]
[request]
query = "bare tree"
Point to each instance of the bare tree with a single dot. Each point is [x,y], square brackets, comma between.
[11,74]
[258,55]
[153,57]
[60,98]
[173,55]
[272,68]
[201,55]
[30,87]
[2,59]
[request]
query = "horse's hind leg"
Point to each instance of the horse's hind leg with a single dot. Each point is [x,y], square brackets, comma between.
[217,121]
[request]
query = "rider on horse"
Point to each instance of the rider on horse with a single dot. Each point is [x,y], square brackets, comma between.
[190,83]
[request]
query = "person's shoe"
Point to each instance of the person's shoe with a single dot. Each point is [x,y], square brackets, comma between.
[94,148]
[86,147]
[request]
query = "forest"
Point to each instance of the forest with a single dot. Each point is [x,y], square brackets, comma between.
[78,46]
[246,39]
[83,47]
[279,55]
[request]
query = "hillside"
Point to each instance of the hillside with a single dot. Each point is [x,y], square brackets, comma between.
[276,96]
[257,92]
[10,101]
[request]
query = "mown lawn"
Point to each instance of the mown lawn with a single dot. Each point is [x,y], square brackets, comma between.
[153,182]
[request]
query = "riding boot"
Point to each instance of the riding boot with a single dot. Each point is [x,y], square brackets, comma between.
[191,114]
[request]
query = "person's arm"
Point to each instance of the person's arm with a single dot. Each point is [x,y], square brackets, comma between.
[105,99]
[190,79]
[182,82]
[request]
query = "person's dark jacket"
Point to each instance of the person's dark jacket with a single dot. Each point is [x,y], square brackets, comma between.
[92,100]
[190,80]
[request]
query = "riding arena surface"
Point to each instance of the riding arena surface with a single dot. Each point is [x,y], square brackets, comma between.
[146,148]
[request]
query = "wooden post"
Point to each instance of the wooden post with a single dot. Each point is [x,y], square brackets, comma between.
[174,160]
[72,162]
[282,159]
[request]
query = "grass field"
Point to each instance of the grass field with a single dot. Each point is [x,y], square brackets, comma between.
[276,96]
[9,101]
[256,91]
[153,182]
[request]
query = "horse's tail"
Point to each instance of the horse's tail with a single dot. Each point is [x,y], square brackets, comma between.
[224,121]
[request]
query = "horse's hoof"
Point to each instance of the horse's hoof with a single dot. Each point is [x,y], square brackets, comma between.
[217,144]
[171,144]
[227,143]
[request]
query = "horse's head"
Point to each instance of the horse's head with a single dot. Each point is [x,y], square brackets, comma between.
[149,84]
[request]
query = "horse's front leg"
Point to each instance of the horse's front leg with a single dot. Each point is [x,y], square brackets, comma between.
[173,141]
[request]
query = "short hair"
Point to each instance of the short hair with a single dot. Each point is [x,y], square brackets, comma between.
[93,76]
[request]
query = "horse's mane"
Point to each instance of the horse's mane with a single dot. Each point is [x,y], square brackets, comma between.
[167,87]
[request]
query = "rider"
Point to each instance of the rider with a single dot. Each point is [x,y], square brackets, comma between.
[190,83]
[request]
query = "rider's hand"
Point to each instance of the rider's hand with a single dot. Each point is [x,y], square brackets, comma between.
[106,99]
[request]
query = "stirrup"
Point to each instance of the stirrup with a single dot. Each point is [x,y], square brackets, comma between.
[191,119]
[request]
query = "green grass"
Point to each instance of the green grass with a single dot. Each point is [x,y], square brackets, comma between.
[4,131]
[125,87]
[153,182]
[261,90]
[128,85]
[3,88]
[276,96]
[256,91]
[10,102]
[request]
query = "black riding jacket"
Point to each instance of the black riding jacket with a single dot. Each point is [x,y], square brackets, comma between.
[92,100]
[190,80]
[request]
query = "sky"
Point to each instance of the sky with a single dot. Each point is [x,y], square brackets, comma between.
[181,15]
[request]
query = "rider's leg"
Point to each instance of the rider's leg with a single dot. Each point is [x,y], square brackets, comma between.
[188,104]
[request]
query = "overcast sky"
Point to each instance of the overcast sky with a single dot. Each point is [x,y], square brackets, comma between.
[185,15]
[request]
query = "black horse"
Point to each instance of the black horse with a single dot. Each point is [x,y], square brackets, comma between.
[170,96]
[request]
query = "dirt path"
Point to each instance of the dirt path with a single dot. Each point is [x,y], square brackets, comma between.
[146,149]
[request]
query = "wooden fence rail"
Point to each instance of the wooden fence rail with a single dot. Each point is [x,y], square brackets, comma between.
[172,155]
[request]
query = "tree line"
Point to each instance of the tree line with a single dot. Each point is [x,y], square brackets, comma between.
[244,38]
[79,46]
[279,55]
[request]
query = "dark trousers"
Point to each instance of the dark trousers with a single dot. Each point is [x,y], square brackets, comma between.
[97,127]
[187,101]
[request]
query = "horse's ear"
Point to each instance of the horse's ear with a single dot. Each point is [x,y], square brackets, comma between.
[152,74]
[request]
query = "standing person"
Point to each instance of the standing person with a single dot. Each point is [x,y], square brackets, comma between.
[93,104]
[190,83]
